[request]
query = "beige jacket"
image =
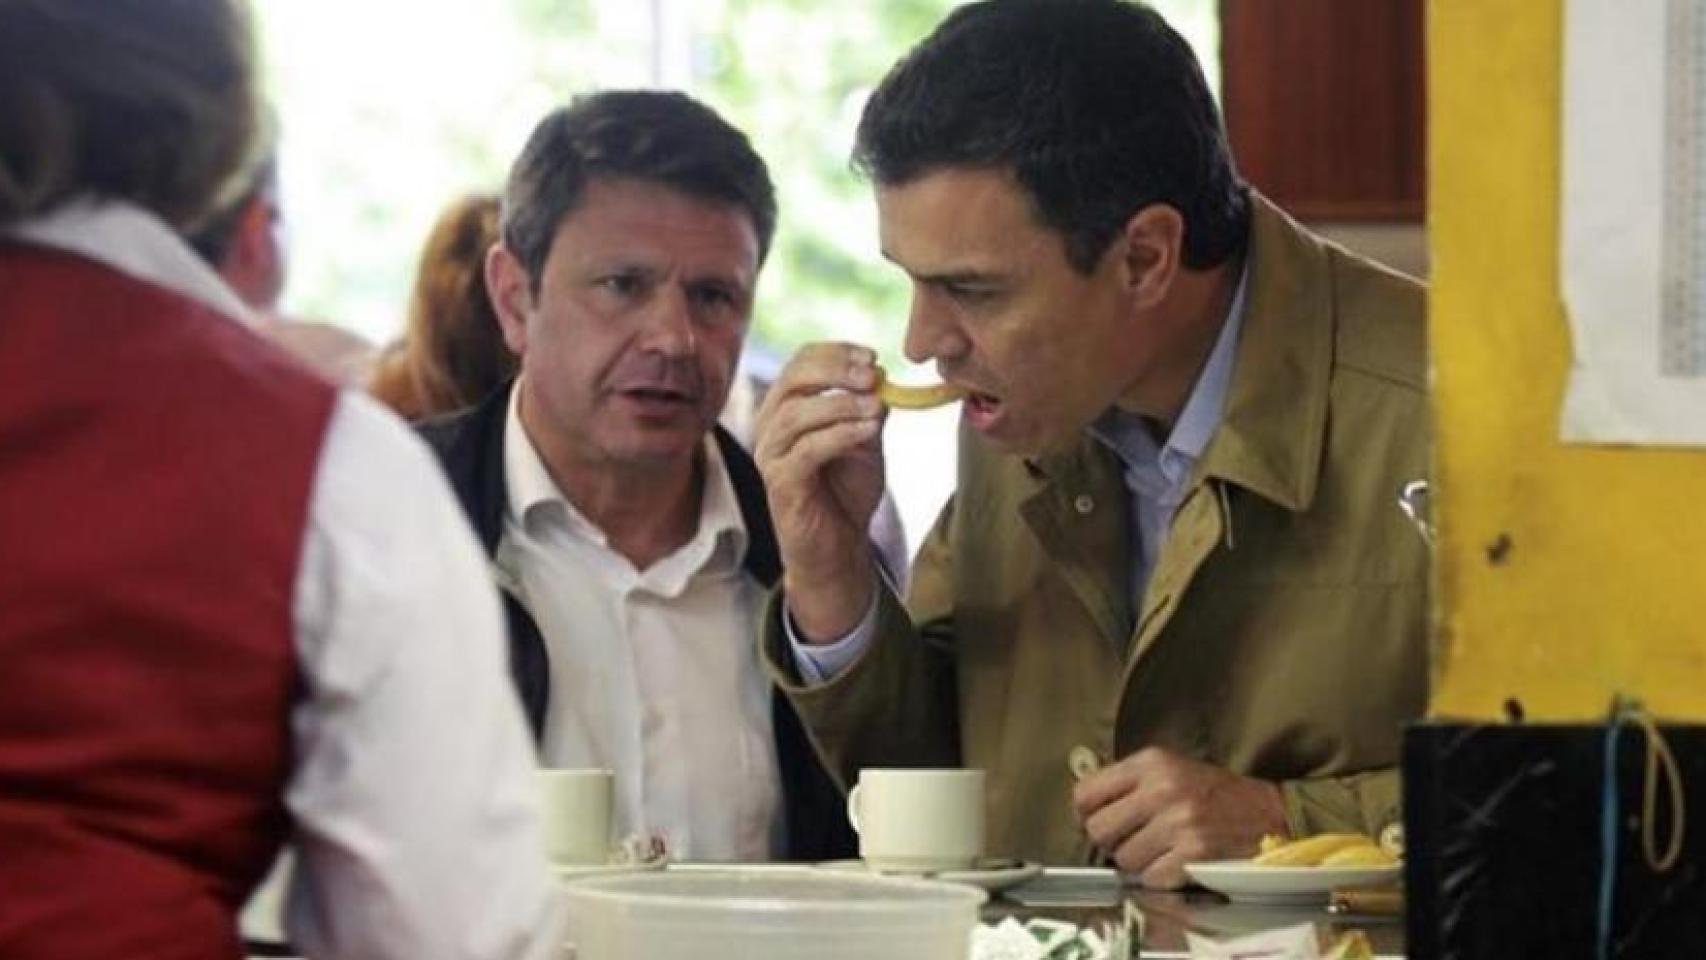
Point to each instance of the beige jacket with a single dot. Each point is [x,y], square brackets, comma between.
[1283,633]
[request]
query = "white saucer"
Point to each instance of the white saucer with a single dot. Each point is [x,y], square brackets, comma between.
[992,873]
[1248,882]
[575,871]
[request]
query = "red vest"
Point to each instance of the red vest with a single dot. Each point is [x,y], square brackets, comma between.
[156,462]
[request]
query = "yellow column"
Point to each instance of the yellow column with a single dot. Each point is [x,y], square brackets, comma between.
[1565,574]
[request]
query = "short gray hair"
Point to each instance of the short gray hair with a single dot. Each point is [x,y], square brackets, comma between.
[654,136]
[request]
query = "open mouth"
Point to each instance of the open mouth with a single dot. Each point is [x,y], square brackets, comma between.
[982,410]
[658,395]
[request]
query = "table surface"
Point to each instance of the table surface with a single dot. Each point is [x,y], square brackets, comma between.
[1087,897]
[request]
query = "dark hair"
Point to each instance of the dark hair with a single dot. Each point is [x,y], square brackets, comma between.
[150,101]
[658,136]
[1097,107]
[452,353]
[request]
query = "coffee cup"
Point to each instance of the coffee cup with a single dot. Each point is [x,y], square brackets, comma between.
[575,814]
[918,820]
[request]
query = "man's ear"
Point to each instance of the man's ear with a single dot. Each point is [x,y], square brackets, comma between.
[254,264]
[1153,241]
[511,295]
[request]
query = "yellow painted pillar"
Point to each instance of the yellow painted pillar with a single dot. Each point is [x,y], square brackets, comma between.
[1565,574]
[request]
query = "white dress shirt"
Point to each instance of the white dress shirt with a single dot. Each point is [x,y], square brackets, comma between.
[654,673]
[411,791]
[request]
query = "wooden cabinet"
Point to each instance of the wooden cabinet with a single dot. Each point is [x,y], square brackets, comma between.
[1324,104]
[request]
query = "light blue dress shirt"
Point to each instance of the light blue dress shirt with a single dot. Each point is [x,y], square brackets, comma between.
[1158,474]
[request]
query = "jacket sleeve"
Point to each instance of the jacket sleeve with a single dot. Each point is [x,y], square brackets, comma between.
[897,704]
[1359,803]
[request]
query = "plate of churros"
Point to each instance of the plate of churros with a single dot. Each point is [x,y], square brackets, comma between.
[1301,871]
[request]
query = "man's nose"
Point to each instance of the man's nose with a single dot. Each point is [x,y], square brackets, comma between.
[931,331]
[669,323]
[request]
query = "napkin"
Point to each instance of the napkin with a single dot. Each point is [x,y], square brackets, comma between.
[1284,943]
[1039,939]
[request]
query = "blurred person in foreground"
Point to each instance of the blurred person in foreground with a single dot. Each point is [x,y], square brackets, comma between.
[244,242]
[452,353]
[1173,558]
[627,531]
[240,605]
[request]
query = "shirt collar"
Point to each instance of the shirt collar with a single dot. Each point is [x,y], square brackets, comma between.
[721,539]
[1201,415]
[1126,435]
[719,512]
[528,485]
[134,242]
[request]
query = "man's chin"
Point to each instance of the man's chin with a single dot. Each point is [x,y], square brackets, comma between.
[661,449]
[1035,444]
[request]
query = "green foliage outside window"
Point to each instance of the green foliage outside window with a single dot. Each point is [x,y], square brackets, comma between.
[794,74]
[383,126]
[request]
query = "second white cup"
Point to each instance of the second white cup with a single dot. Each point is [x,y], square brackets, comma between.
[918,820]
[575,814]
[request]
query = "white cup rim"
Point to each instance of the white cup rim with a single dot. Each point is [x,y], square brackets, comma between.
[930,771]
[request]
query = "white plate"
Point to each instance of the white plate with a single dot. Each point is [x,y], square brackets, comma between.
[575,871]
[1243,880]
[992,874]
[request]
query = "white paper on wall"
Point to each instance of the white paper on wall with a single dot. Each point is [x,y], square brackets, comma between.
[1633,257]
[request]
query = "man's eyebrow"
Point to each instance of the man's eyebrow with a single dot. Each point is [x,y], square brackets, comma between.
[961,276]
[965,277]
[735,279]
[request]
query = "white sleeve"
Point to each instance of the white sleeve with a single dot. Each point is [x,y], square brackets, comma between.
[412,791]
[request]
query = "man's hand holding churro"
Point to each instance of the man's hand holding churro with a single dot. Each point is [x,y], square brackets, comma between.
[819,447]
[820,450]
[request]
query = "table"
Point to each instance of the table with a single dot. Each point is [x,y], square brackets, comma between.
[1087,896]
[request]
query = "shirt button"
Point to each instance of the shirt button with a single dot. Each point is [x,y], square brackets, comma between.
[1083,762]
[1084,504]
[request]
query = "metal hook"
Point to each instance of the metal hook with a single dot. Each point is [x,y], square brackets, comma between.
[1413,500]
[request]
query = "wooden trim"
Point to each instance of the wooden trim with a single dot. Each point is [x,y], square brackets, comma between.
[1325,104]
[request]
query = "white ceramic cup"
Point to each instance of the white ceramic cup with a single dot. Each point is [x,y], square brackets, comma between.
[574,810]
[918,820]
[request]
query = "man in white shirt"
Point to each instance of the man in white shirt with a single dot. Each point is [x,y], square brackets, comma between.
[627,532]
[240,607]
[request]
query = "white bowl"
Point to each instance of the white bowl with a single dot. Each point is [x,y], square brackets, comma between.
[769,915]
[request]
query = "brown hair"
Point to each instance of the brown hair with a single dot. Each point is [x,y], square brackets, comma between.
[660,137]
[452,352]
[135,100]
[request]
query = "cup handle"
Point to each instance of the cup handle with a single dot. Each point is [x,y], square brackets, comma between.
[853,808]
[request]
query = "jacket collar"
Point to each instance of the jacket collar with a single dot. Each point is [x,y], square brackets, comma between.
[471,446]
[1274,422]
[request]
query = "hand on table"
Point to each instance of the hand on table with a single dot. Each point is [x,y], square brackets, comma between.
[1155,811]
